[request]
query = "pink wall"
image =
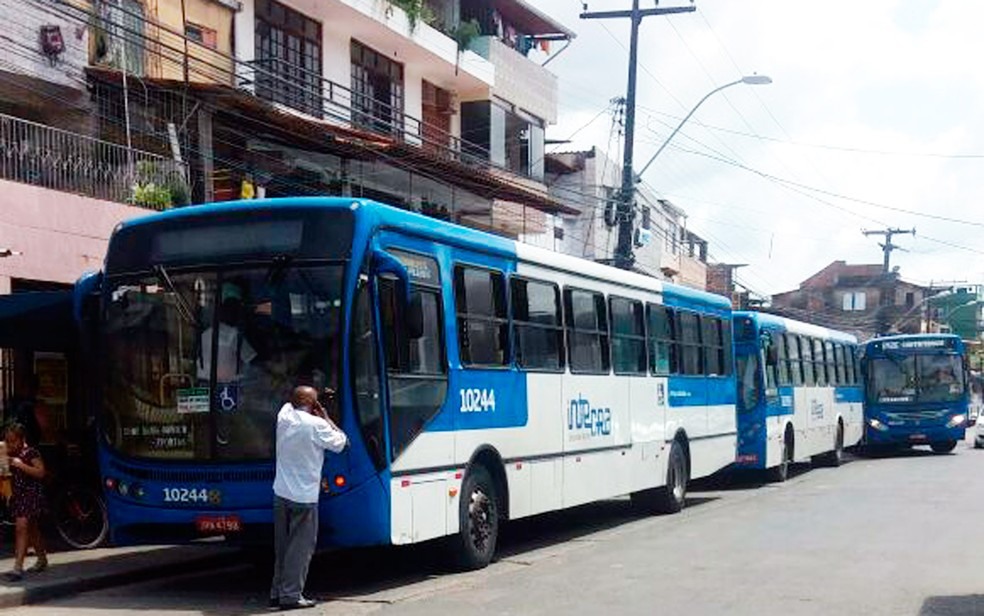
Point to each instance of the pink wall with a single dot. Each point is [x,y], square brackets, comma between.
[62,235]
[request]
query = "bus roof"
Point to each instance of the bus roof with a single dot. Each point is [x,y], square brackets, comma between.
[773,321]
[381,215]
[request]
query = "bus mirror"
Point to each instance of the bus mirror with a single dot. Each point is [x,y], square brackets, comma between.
[383,263]
[414,317]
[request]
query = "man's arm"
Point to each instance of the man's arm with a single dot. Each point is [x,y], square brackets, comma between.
[329,436]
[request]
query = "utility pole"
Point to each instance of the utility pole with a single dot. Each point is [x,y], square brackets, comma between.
[888,246]
[624,258]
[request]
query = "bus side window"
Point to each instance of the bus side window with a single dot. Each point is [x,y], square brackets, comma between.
[483,323]
[727,347]
[537,324]
[688,337]
[587,332]
[416,368]
[828,348]
[819,363]
[850,352]
[660,340]
[839,364]
[769,351]
[795,365]
[806,358]
[628,336]
[710,334]
[783,377]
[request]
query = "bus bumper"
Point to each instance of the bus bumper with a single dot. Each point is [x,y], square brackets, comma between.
[135,524]
[913,435]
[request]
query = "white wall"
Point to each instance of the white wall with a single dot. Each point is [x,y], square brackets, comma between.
[21,22]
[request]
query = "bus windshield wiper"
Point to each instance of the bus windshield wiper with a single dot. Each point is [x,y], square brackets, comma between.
[182,304]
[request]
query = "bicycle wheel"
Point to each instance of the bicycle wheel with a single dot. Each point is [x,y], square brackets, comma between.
[79,515]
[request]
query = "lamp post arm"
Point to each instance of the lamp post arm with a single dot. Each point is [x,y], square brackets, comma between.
[680,125]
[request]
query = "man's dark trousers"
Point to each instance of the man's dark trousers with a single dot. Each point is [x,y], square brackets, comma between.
[295,530]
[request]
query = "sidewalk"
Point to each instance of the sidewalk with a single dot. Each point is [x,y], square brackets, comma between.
[73,572]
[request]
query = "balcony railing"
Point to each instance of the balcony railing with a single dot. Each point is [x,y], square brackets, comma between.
[311,94]
[40,155]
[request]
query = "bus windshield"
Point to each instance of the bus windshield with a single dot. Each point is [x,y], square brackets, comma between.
[916,378]
[167,395]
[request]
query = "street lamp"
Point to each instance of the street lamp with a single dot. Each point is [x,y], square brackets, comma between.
[752,80]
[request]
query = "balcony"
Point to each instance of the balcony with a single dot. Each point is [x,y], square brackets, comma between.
[56,159]
[519,80]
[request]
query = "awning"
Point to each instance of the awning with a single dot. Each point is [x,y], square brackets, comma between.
[39,321]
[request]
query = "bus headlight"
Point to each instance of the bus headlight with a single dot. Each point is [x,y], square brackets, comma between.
[956,420]
[877,425]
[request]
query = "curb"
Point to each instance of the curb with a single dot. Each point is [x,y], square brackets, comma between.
[59,588]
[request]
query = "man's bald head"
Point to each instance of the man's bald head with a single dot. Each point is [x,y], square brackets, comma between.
[305,396]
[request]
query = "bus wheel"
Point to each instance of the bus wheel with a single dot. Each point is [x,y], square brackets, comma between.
[836,457]
[671,497]
[780,473]
[943,446]
[478,519]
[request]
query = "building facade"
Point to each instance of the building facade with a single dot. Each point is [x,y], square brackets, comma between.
[860,299]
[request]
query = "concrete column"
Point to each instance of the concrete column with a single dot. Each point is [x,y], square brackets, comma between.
[207,154]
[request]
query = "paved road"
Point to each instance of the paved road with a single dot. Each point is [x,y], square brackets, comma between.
[886,536]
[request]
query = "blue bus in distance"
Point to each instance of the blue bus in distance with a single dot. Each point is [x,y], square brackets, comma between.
[799,394]
[917,392]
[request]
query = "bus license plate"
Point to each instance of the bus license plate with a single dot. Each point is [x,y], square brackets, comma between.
[917,437]
[214,524]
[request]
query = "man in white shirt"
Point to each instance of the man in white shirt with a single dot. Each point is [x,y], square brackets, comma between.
[304,432]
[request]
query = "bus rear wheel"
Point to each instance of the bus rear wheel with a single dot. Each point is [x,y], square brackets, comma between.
[671,497]
[478,521]
[943,446]
[835,457]
[780,473]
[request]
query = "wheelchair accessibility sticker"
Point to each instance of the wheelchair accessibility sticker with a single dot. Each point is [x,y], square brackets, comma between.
[227,397]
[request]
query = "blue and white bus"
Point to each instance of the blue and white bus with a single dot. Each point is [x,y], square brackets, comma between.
[799,394]
[916,391]
[480,379]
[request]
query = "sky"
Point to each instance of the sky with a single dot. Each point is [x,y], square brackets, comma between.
[874,119]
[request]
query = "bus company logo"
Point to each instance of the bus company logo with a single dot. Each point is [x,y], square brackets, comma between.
[584,421]
[816,410]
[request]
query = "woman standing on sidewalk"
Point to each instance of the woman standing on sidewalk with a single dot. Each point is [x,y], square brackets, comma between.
[27,502]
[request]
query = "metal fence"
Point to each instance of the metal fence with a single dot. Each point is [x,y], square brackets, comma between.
[40,155]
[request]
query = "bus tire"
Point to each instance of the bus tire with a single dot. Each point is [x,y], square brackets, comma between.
[835,457]
[478,521]
[672,497]
[780,472]
[978,443]
[943,446]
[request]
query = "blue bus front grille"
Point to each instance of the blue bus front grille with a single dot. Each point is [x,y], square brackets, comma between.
[916,417]
[195,475]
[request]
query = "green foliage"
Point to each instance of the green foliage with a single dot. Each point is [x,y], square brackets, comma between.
[416,11]
[158,190]
[466,32]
